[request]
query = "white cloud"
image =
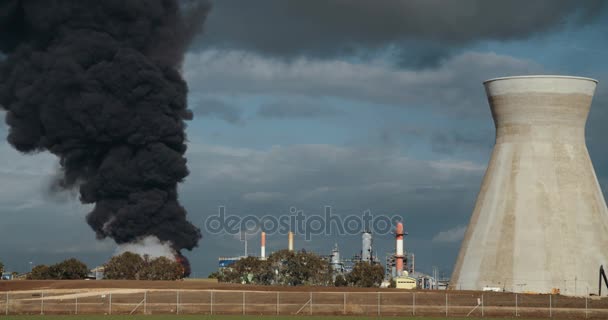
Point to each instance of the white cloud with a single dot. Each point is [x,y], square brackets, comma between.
[455,234]
[453,86]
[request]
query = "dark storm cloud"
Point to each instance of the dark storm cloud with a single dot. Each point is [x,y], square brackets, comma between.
[295,109]
[289,28]
[98,85]
[454,87]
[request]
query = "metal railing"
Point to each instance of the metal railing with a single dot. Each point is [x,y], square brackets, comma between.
[406,303]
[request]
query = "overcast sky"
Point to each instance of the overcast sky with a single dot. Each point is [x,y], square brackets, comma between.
[359,105]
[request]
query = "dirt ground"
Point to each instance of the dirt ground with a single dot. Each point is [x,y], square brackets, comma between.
[207,297]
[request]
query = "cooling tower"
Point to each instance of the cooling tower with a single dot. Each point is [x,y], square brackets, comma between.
[540,221]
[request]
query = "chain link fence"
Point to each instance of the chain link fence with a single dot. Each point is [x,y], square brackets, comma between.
[228,302]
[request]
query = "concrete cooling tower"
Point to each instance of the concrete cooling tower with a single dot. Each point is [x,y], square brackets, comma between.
[540,221]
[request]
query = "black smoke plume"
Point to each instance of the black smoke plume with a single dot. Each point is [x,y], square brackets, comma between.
[97,83]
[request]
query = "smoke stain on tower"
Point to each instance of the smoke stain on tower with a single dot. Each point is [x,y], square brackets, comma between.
[97,83]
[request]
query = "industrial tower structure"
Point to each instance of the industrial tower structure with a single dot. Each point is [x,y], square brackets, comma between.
[540,221]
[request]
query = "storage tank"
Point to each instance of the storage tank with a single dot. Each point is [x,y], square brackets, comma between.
[540,221]
[366,246]
[335,255]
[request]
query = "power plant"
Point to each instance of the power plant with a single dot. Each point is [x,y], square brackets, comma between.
[396,262]
[540,223]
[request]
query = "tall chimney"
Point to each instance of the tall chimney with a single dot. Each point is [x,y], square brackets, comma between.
[399,248]
[290,244]
[413,263]
[540,217]
[263,246]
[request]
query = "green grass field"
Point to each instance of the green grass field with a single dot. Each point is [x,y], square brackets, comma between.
[202,317]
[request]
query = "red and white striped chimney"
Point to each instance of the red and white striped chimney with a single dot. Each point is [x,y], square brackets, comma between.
[263,246]
[399,248]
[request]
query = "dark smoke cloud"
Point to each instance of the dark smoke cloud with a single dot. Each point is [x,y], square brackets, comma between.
[97,83]
[421,30]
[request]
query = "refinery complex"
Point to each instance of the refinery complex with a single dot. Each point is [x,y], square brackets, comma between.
[397,264]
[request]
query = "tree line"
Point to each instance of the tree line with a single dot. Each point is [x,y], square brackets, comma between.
[127,266]
[286,267]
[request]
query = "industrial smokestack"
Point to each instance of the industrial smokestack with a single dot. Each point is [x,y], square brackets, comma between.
[290,239]
[413,263]
[399,248]
[263,245]
[540,217]
[98,84]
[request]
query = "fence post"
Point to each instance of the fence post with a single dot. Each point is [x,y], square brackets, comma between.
[550,310]
[482,305]
[414,303]
[76,311]
[586,312]
[243,302]
[177,304]
[6,307]
[110,305]
[278,299]
[344,304]
[145,301]
[516,313]
[211,302]
[42,303]
[311,303]
[378,303]
[446,304]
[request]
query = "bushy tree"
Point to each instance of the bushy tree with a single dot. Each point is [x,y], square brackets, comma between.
[1,267]
[126,266]
[278,262]
[161,269]
[340,281]
[70,269]
[282,267]
[40,272]
[248,270]
[309,269]
[365,274]
[131,266]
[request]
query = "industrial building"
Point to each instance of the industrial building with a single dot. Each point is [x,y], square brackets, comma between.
[96,273]
[396,263]
[540,221]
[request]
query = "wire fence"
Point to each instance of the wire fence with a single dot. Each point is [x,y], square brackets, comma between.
[224,302]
